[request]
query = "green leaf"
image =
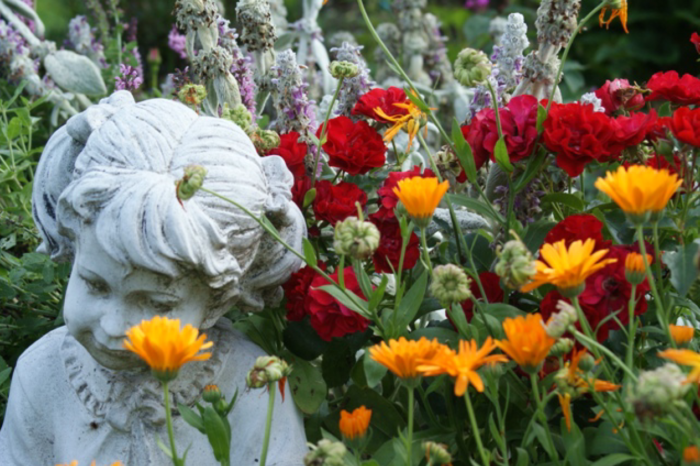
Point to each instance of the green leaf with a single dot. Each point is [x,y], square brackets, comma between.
[309,197]
[358,305]
[191,417]
[500,153]
[411,302]
[164,448]
[535,234]
[501,311]
[541,117]
[309,253]
[495,433]
[306,385]
[570,200]
[477,206]
[374,372]
[378,294]
[681,263]
[464,152]
[219,437]
[532,168]
[523,457]
[337,363]
[615,458]
[301,339]
[417,100]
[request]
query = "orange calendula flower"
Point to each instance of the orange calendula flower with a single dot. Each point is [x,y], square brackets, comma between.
[354,425]
[638,190]
[462,365]
[527,342]
[411,121]
[421,196]
[681,334]
[691,455]
[615,12]
[635,270]
[685,357]
[165,346]
[567,269]
[572,383]
[403,356]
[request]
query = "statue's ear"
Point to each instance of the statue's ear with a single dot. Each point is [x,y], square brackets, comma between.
[81,126]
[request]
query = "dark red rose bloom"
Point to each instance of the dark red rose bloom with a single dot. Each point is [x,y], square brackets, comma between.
[293,153]
[296,290]
[384,99]
[329,317]
[390,242]
[685,125]
[301,186]
[578,227]
[619,93]
[492,287]
[387,199]
[668,86]
[578,135]
[355,148]
[607,291]
[695,40]
[630,131]
[519,126]
[660,129]
[336,203]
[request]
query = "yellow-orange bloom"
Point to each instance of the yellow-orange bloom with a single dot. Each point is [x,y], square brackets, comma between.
[462,365]
[685,357]
[527,342]
[681,334]
[634,262]
[165,346]
[691,455]
[403,356]
[354,425]
[411,120]
[567,269]
[421,196]
[639,189]
[615,12]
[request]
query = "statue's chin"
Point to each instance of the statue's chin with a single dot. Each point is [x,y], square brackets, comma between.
[116,360]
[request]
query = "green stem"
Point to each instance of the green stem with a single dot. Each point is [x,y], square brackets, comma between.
[409,441]
[543,419]
[657,254]
[597,348]
[268,423]
[323,132]
[632,327]
[426,253]
[475,429]
[169,421]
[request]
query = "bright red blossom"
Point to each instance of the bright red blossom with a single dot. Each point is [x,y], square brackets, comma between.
[329,317]
[296,290]
[685,125]
[335,203]
[579,227]
[695,40]
[680,90]
[292,152]
[301,186]
[390,242]
[387,198]
[355,148]
[619,93]
[630,130]
[384,99]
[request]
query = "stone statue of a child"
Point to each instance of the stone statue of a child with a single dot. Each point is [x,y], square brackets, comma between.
[105,198]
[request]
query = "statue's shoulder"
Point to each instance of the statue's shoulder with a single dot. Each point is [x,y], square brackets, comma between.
[238,343]
[42,362]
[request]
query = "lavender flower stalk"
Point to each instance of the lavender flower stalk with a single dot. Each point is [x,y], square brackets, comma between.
[242,66]
[295,112]
[130,79]
[81,38]
[258,35]
[176,42]
[352,88]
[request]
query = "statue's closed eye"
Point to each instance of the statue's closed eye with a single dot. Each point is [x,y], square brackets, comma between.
[95,286]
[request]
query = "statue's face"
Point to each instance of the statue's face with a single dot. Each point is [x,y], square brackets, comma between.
[105,298]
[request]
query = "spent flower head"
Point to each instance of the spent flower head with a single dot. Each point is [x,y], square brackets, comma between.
[658,390]
[355,238]
[472,67]
[450,284]
[515,266]
[267,370]
[326,453]
[558,324]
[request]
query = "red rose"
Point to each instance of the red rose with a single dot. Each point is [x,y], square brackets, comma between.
[578,227]
[607,292]
[354,147]
[668,86]
[301,186]
[685,125]
[630,131]
[336,203]
[519,126]
[660,129]
[578,135]
[619,93]
[292,152]
[695,40]
[492,287]
[387,198]
[329,317]
[390,242]
[296,290]
[384,99]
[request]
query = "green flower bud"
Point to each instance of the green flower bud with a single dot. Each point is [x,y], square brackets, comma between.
[656,391]
[472,67]
[515,264]
[211,394]
[355,238]
[560,322]
[265,140]
[437,453]
[344,69]
[267,370]
[450,284]
[191,181]
[239,115]
[561,347]
[586,363]
[326,453]
[192,94]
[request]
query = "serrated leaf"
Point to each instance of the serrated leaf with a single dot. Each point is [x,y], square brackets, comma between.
[500,153]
